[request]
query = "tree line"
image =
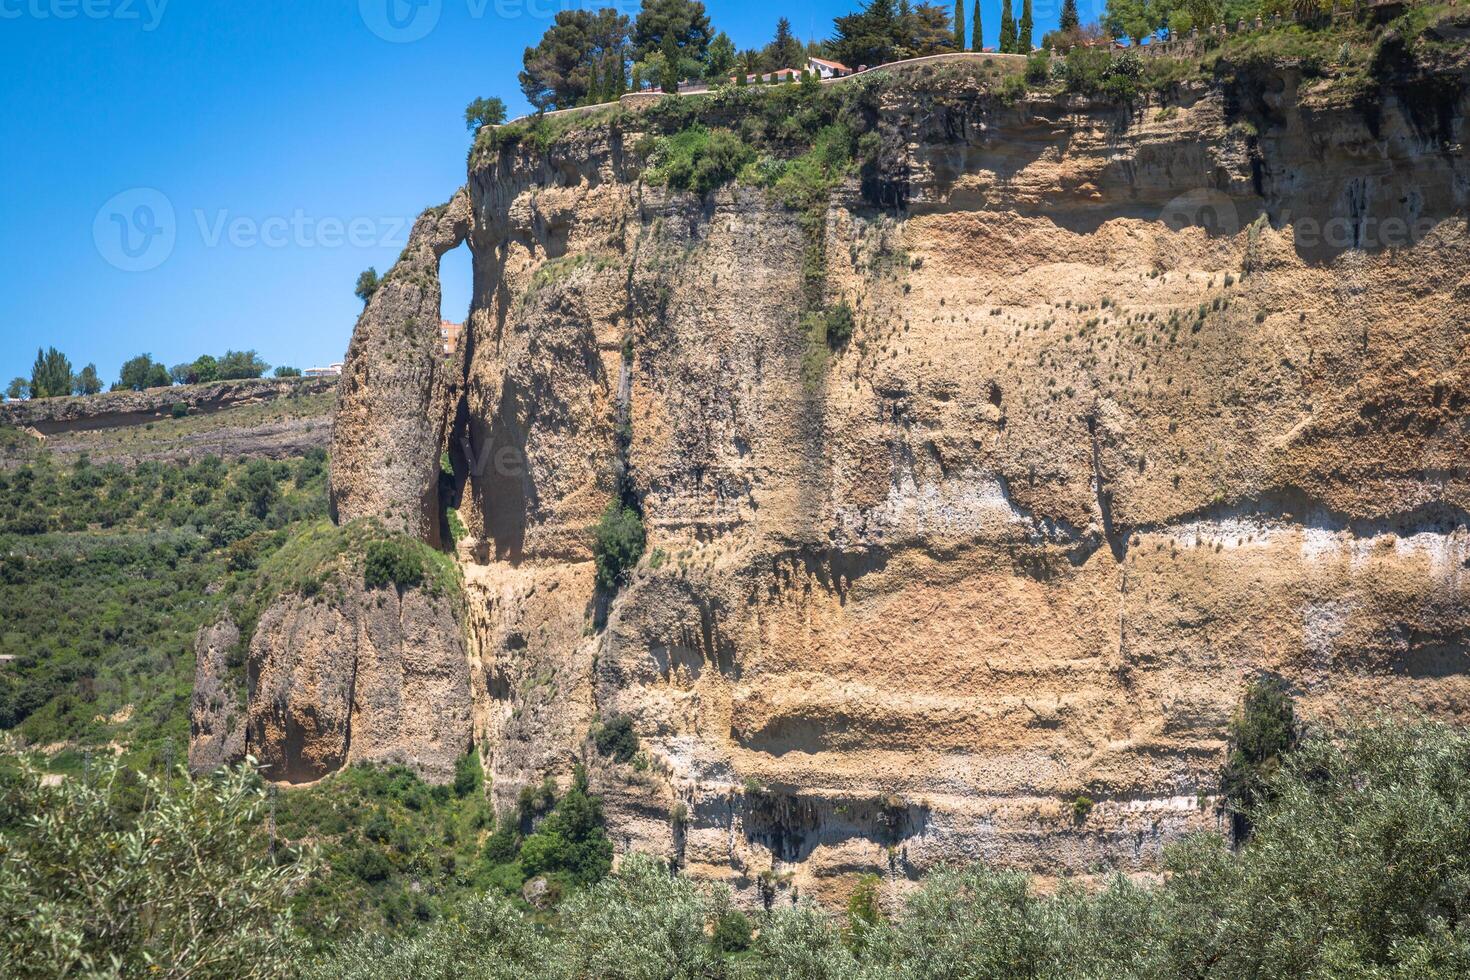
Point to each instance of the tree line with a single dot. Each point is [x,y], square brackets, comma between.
[588,57]
[52,375]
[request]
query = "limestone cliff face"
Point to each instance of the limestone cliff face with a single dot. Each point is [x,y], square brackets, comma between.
[365,676]
[1140,404]
[395,389]
[343,675]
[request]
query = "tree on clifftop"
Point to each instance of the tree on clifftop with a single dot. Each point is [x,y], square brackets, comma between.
[51,374]
[867,37]
[685,21]
[141,372]
[977,39]
[18,388]
[575,59]
[784,51]
[484,112]
[1069,20]
[1007,28]
[237,364]
[86,382]
[1023,40]
[959,25]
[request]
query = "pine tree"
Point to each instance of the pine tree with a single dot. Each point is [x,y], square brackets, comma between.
[978,38]
[1069,16]
[1023,42]
[959,25]
[1007,28]
[51,374]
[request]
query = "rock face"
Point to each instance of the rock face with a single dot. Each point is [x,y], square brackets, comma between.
[216,711]
[1139,405]
[360,676]
[395,389]
[51,416]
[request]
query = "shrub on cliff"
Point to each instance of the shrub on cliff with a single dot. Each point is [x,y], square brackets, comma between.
[698,159]
[618,543]
[616,738]
[393,562]
[571,842]
[1260,735]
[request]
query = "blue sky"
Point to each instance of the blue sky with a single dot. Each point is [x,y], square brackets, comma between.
[293,141]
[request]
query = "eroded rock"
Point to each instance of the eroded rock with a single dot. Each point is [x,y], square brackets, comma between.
[394,401]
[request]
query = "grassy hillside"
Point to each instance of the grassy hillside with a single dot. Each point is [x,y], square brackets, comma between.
[105,575]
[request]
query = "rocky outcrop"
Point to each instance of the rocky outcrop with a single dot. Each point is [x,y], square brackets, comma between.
[216,710]
[396,388]
[1141,402]
[114,409]
[358,675]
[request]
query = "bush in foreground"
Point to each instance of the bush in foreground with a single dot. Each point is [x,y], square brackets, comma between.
[117,873]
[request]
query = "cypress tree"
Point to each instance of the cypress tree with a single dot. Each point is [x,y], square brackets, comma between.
[1007,28]
[959,25]
[1069,16]
[978,42]
[1023,43]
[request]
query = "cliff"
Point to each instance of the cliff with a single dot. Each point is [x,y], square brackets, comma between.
[1140,401]
[259,417]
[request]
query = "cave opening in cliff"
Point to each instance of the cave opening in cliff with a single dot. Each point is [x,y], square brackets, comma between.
[456,286]
[456,291]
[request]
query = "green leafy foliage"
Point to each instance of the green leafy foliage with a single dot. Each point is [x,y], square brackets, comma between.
[616,739]
[395,562]
[118,873]
[367,284]
[618,543]
[51,375]
[485,938]
[142,372]
[484,112]
[570,842]
[398,853]
[129,560]
[1261,734]
[697,159]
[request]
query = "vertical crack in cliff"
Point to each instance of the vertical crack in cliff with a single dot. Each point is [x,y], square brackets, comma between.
[1116,543]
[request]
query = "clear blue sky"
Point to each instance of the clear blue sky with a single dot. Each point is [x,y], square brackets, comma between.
[292,142]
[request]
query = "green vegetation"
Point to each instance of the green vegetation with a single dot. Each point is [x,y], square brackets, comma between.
[51,375]
[697,159]
[618,542]
[1261,735]
[141,372]
[118,873]
[616,739]
[395,562]
[396,852]
[1357,867]
[367,283]
[484,112]
[131,561]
